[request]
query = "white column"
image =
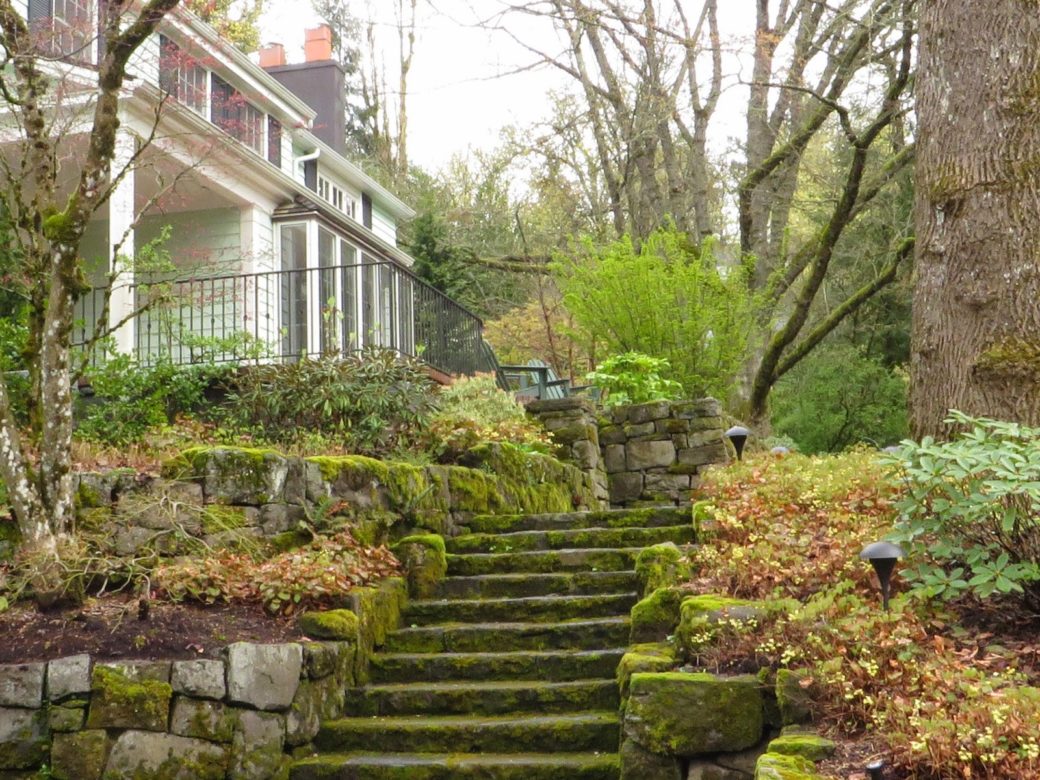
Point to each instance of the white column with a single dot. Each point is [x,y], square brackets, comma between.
[262,293]
[121,245]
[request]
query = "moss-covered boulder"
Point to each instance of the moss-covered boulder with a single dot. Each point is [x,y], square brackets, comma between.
[209,720]
[425,562]
[777,766]
[661,566]
[79,756]
[793,696]
[804,744]
[650,657]
[335,624]
[117,702]
[379,610]
[656,616]
[700,617]
[640,764]
[682,714]
[233,475]
[138,754]
[23,738]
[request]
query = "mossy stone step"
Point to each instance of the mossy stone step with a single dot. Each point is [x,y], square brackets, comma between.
[493,586]
[556,665]
[459,766]
[483,698]
[611,518]
[543,561]
[584,732]
[533,609]
[596,538]
[489,637]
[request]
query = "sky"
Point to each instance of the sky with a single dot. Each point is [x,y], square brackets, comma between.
[467,82]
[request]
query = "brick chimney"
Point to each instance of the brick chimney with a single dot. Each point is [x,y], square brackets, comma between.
[318,44]
[318,82]
[272,55]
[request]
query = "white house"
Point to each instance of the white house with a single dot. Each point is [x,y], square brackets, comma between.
[274,236]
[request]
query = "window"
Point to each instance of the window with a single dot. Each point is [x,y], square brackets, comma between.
[181,77]
[65,27]
[348,259]
[236,116]
[274,141]
[337,198]
[324,188]
[294,290]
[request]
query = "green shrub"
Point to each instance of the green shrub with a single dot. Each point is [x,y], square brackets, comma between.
[634,378]
[131,400]
[838,397]
[475,410]
[373,403]
[669,299]
[970,516]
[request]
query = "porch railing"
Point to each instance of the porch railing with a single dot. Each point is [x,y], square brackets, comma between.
[284,315]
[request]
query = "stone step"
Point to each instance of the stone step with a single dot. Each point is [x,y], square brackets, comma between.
[490,637]
[533,609]
[455,766]
[584,732]
[578,583]
[585,538]
[556,665]
[498,697]
[611,518]
[543,561]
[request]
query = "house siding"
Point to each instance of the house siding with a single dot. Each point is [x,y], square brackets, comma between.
[383,225]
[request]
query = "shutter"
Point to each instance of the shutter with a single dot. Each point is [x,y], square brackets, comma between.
[274,141]
[40,9]
[366,211]
[310,175]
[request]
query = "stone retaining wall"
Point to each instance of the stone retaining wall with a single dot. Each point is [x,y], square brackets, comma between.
[646,454]
[236,717]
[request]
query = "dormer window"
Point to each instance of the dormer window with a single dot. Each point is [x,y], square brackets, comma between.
[235,115]
[181,77]
[65,28]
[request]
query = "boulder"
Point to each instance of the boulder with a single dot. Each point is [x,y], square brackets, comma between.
[640,764]
[263,676]
[68,677]
[425,561]
[23,738]
[335,624]
[201,679]
[79,756]
[21,685]
[209,720]
[682,714]
[642,455]
[257,748]
[120,703]
[140,754]
[777,766]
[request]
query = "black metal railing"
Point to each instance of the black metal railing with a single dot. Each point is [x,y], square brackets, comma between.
[285,315]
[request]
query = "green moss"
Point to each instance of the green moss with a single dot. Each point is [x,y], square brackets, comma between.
[661,566]
[1013,356]
[810,746]
[354,470]
[728,712]
[469,490]
[290,540]
[338,624]
[118,702]
[776,766]
[657,615]
[425,561]
[651,657]
[217,518]
[61,227]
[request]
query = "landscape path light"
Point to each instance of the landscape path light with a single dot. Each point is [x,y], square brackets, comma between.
[737,436]
[876,769]
[883,557]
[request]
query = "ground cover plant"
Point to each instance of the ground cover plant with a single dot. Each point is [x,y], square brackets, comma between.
[941,689]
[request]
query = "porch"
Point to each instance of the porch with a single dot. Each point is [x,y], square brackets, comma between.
[285,315]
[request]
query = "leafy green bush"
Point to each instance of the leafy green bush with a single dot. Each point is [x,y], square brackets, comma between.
[131,400]
[474,410]
[838,397]
[669,299]
[970,516]
[634,378]
[373,403]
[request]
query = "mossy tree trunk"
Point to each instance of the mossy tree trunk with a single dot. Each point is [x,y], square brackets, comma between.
[47,225]
[976,319]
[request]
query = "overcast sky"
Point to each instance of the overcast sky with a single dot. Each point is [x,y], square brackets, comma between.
[464,85]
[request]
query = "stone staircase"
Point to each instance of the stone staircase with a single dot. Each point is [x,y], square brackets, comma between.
[510,673]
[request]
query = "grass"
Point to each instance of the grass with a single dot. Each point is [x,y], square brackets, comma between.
[943,697]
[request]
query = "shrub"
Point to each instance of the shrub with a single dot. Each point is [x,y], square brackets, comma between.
[132,400]
[970,516]
[634,378]
[838,397]
[669,299]
[374,403]
[474,410]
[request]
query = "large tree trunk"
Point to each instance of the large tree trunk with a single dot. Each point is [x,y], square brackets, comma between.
[976,318]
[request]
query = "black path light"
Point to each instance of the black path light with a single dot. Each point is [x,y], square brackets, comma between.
[876,769]
[883,557]
[737,436]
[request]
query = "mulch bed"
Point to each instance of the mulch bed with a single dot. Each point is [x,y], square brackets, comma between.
[110,629]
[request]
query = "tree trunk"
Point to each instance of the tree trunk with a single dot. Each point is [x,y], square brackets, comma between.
[976,323]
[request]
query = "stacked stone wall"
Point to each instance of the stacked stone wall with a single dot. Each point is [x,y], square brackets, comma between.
[645,454]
